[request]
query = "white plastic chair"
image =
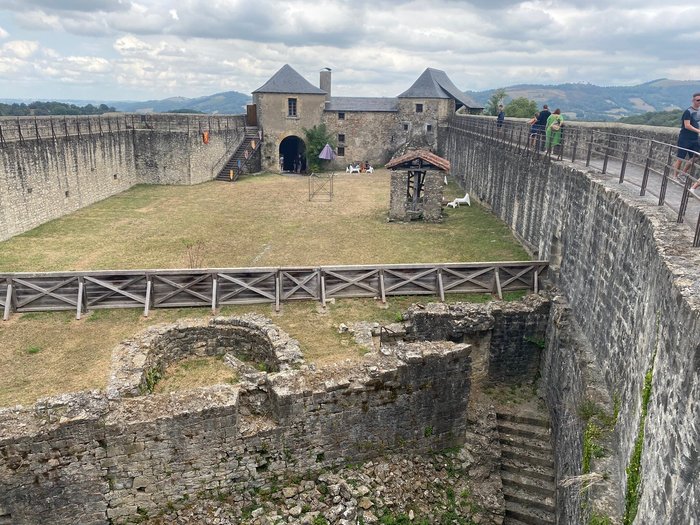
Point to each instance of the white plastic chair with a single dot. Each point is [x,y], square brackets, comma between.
[463,200]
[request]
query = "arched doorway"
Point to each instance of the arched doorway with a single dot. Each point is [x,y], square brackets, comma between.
[293,155]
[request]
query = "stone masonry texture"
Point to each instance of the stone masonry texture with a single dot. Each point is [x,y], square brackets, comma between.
[94,458]
[632,282]
[43,179]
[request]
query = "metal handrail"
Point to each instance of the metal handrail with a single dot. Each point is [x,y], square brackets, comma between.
[604,150]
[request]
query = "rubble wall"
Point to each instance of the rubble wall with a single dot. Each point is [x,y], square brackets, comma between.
[512,333]
[86,458]
[632,282]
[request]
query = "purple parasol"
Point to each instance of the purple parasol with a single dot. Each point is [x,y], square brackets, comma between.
[327,153]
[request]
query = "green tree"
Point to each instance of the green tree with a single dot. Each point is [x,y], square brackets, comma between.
[521,107]
[495,100]
[656,118]
[52,108]
[316,138]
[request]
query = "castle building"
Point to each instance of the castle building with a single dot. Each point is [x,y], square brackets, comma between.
[365,128]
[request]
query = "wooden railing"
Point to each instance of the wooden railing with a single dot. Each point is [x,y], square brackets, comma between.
[147,289]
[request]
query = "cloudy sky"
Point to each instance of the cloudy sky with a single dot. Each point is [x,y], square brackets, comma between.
[152,49]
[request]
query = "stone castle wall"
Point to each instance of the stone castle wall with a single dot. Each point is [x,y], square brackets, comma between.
[510,335]
[277,125]
[92,459]
[369,136]
[630,278]
[43,179]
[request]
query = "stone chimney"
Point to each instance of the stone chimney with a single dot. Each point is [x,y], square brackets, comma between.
[325,82]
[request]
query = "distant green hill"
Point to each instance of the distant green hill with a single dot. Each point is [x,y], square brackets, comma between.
[228,102]
[580,101]
[590,102]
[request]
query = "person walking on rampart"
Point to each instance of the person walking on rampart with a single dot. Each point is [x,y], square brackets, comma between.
[553,129]
[533,129]
[688,145]
[541,125]
[501,118]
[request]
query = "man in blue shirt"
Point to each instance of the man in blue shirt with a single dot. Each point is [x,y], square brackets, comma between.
[688,145]
[541,125]
[500,119]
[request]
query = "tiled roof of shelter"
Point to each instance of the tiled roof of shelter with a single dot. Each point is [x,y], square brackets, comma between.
[363,104]
[419,159]
[434,83]
[287,80]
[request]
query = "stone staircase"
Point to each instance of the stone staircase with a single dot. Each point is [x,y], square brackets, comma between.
[251,134]
[527,469]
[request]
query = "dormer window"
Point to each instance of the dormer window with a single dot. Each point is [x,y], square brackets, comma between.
[292,107]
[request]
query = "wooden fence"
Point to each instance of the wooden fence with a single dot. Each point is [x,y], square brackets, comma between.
[83,291]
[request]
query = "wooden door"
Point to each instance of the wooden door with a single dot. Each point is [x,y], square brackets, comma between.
[251,118]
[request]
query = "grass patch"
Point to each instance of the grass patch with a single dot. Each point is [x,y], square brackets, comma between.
[225,225]
[195,372]
[598,424]
[634,468]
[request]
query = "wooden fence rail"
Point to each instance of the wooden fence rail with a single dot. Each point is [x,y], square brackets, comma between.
[84,291]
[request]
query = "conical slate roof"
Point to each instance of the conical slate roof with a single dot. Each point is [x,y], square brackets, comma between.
[287,80]
[434,83]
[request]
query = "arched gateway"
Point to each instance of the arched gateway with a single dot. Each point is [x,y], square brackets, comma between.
[292,154]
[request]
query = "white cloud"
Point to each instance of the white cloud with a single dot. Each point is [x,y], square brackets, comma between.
[22,49]
[155,48]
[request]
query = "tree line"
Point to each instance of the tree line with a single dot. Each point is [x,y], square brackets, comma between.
[51,108]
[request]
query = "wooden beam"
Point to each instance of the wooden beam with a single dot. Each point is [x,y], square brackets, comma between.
[8,301]
[149,287]
[213,293]
[79,308]
[114,290]
[498,284]
[440,287]
[381,285]
[322,280]
[278,290]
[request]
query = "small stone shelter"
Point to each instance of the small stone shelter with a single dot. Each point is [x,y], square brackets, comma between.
[417,181]
[370,129]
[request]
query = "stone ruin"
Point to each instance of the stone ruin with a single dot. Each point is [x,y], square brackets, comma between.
[111,457]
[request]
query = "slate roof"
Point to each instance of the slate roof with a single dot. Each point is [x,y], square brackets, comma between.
[287,80]
[434,83]
[363,104]
[419,158]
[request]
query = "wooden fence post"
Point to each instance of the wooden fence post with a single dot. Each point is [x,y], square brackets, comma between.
[214,283]
[79,307]
[147,303]
[8,301]
[498,283]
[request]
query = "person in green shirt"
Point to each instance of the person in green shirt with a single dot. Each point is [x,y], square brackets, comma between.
[552,129]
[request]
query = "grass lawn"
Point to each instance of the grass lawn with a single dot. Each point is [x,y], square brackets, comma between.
[265,220]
